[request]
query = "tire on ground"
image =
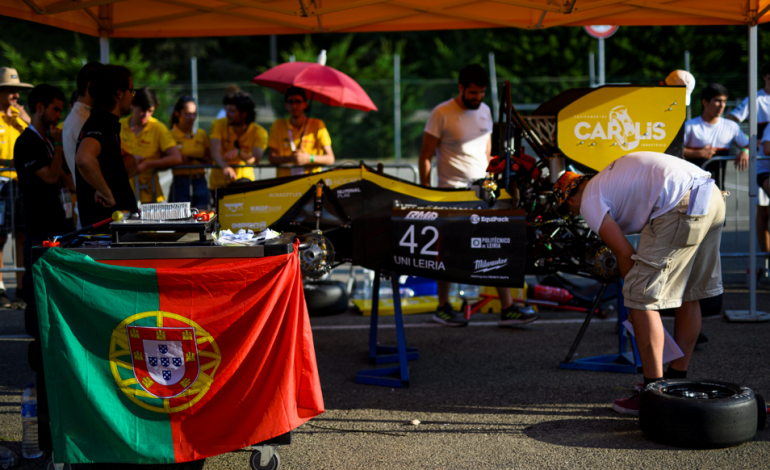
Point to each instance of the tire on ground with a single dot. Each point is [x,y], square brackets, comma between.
[698,423]
[325,298]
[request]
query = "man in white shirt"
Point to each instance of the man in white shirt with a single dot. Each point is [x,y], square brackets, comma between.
[710,135]
[679,213]
[740,114]
[459,133]
[81,110]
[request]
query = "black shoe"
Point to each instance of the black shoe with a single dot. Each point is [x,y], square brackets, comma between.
[514,315]
[448,316]
[5,302]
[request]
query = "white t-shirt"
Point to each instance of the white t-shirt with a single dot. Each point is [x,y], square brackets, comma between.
[763,166]
[462,149]
[637,188]
[698,134]
[70,132]
[763,108]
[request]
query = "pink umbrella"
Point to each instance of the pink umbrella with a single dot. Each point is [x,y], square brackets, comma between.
[326,85]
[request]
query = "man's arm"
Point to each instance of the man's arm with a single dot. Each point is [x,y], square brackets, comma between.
[733,118]
[87,161]
[705,152]
[489,148]
[171,157]
[429,145]
[51,173]
[216,155]
[129,161]
[613,237]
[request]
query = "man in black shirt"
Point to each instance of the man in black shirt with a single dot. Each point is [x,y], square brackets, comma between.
[102,170]
[44,179]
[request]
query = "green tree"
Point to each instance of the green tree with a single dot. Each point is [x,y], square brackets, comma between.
[60,68]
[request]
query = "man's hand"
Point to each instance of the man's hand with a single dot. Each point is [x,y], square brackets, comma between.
[56,133]
[232,155]
[23,113]
[706,152]
[229,173]
[107,200]
[141,166]
[300,157]
[742,160]
[613,237]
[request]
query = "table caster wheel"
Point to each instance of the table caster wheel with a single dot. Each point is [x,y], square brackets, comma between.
[255,461]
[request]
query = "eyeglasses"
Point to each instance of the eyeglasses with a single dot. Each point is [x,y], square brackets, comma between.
[133,92]
[186,98]
[294,101]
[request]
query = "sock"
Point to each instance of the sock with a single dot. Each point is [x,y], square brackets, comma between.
[672,373]
[2,285]
[649,381]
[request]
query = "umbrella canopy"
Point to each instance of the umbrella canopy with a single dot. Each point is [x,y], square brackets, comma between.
[327,85]
[195,18]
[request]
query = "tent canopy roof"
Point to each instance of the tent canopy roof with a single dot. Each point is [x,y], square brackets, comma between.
[195,18]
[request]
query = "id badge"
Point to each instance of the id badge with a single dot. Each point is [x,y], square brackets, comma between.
[65,197]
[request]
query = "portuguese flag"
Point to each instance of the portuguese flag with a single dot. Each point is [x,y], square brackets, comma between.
[173,365]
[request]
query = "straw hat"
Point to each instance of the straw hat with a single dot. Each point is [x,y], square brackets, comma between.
[10,77]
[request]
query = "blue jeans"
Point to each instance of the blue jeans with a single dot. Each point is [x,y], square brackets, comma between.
[200,191]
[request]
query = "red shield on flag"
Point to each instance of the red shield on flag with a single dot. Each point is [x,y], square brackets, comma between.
[165,360]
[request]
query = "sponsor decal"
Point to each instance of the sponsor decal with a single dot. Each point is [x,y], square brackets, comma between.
[419,263]
[489,242]
[263,209]
[341,193]
[251,225]
[234,206]
[341,180]
[421,215]
[482,266]
[475,219]
[285,194]
[621,129]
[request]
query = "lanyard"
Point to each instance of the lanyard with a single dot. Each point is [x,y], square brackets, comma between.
[291,136]
[48,145]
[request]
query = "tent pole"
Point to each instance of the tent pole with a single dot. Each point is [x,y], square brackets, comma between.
[752,315]
[104,49]
[194,84]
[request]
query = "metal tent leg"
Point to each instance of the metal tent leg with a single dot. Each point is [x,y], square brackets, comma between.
[624,361]
[397,376]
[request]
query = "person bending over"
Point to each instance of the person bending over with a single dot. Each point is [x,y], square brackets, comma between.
[677,262]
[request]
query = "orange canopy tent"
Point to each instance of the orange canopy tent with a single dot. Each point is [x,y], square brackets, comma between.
[195,18]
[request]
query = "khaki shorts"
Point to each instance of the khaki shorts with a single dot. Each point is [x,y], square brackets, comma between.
[678,258]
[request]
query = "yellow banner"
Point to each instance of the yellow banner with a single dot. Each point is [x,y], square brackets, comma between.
[613,121]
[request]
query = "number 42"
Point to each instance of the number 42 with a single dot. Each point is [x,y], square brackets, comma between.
[408,240]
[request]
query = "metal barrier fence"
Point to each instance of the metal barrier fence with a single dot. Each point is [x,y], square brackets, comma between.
[736,254]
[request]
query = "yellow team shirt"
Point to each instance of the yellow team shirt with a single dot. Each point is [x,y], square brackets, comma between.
[194,146]
[254,137]
[11,128]
[149,144]
[313,141]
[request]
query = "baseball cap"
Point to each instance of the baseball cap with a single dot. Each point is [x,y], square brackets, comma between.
[682,78]
[565,185]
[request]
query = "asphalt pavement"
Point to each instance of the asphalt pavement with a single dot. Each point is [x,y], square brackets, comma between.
[486,397]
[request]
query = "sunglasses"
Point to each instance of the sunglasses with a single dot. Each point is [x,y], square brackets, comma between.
[294,101]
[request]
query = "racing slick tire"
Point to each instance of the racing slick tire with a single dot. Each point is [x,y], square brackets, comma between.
[325,298]
[698,414]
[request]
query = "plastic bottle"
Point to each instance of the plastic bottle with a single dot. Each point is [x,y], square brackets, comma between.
[551,294]
[29,443]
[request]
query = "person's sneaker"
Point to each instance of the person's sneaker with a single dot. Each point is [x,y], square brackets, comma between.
[448,316]
[514,315]
[627,406]
[639,386]
[5,302]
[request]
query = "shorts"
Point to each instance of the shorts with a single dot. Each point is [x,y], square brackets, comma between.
[6,201]
[762,197]
[678,258]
